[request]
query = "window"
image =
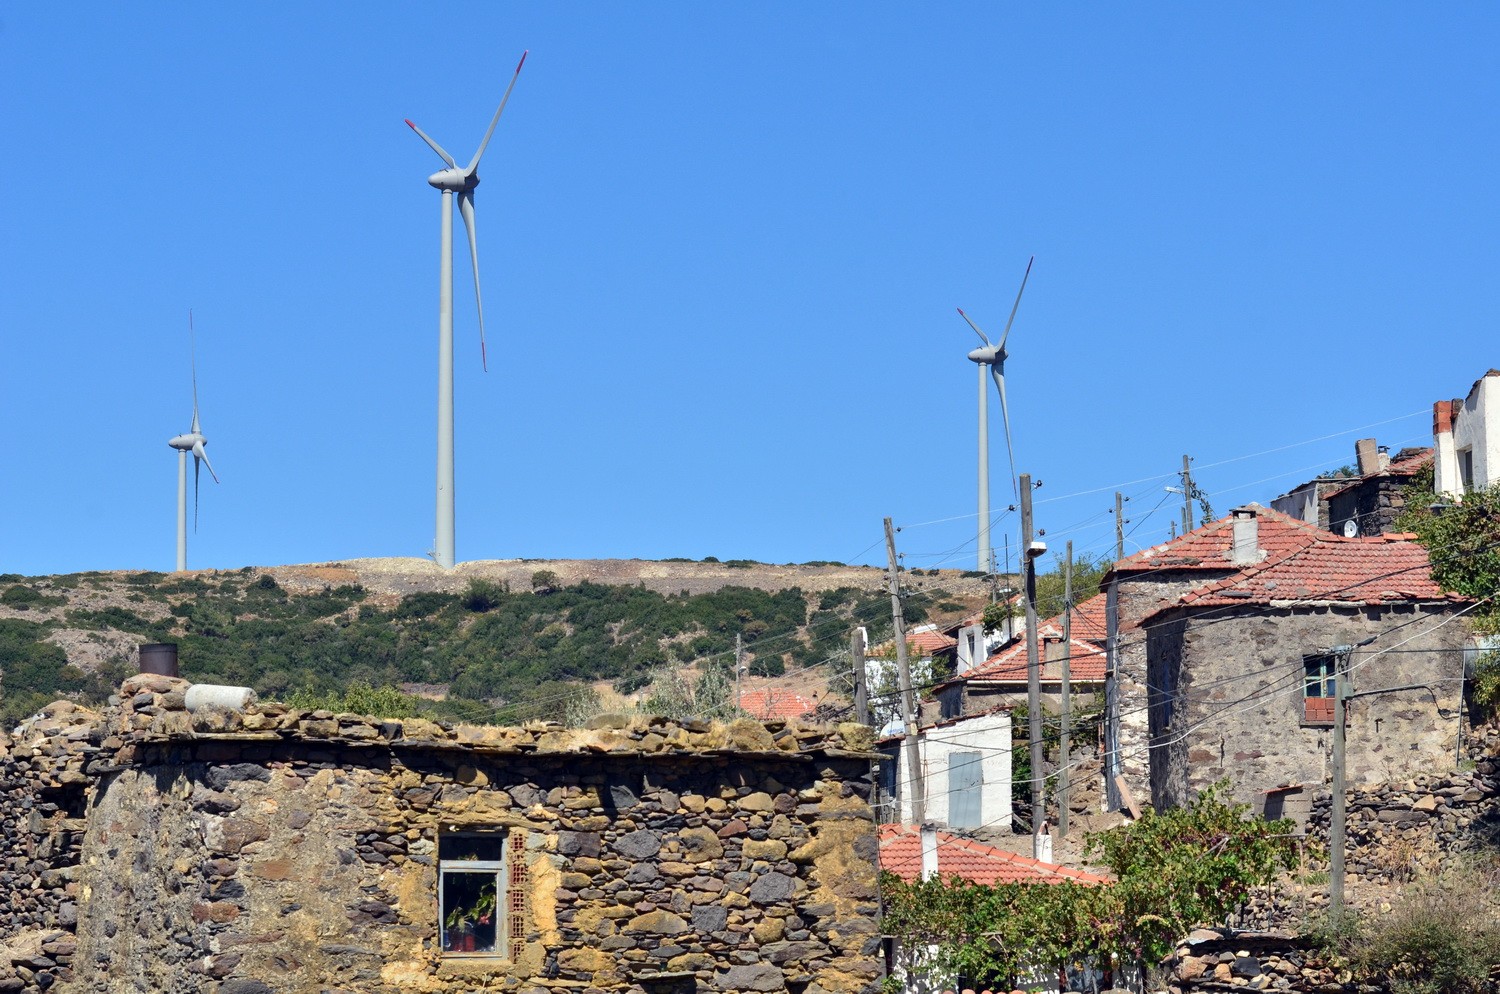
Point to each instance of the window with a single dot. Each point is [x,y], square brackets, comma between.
[1318,689]
[1466,468]
[480,904]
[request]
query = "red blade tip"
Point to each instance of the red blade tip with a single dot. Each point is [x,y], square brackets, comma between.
[409,124]
[523,60]
[961,311]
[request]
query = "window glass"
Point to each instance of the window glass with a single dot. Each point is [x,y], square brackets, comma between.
[472,897]
[1318,672]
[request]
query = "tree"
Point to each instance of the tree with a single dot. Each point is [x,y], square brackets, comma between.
[1173,870]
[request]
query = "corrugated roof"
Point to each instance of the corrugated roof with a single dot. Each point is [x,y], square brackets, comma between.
[901,854]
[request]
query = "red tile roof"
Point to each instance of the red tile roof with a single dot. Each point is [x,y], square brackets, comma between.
[774,702]
[901,854]
[1090,620]
[1085,664]
[929,642]
[1381,569]
[1209,547]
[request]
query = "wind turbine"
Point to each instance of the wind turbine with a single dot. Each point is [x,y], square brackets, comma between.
[462,182]
[192,442]
[993,356]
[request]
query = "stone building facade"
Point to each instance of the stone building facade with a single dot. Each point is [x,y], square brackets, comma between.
[1241,671]
[279,850]
[1139,586]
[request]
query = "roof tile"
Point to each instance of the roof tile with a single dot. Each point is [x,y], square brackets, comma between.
[901,854]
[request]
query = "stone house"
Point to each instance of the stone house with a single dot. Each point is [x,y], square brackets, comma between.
[267,849]
[1140,585]
[1238,667]
[1365,504]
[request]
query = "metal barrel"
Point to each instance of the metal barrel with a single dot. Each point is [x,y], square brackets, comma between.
[159,658]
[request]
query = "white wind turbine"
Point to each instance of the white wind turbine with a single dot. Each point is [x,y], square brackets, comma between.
[993,356]
[462,182]
[193,442]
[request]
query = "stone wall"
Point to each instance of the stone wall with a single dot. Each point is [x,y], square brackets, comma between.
[1221,959]
[1132,598]
[1227,696]
[42,792]
[278,850]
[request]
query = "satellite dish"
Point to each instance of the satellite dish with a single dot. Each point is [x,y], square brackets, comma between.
[1351,529]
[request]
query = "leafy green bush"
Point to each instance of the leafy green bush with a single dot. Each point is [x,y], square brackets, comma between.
[1173,870]
[358,698]
[482,596]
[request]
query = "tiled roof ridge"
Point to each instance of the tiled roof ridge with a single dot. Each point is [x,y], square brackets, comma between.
[1144,558]
[1325,540]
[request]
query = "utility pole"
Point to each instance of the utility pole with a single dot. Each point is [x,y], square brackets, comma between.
[1033,671]
[861,692]
[1119,526]
[1066,743]
[739,665]
[903,676]
[1187,495]
[1337,819]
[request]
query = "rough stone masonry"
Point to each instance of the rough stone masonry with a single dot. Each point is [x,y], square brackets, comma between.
[147,848]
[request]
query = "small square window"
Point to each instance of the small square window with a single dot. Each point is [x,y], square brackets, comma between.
[473,893]
[1319,684]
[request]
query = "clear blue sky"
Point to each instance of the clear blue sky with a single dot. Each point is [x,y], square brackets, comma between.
[721,247]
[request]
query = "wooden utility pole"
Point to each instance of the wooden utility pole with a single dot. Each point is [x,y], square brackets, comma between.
[1064,778]
[1187,495]
[903,675]
[1119,526]
[1338,817]
[1033,671]
[861,692]
[739,665]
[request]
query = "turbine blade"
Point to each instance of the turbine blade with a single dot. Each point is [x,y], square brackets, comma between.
[195,489]
[974,326]
[432,145]
[199,453]
[466,208]
[475,164]
[999,375]
[1017,303]
[193,361]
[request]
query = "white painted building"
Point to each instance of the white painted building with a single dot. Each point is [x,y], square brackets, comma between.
[966,773]
[1466,438]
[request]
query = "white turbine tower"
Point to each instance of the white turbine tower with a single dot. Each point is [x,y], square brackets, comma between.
[192,442]
[993,356]
[462,182]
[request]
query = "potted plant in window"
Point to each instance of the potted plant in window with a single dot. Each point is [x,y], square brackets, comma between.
[461,920]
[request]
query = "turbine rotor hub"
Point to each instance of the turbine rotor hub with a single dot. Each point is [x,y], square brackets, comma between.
[186,442]
[453,180]
[987,355]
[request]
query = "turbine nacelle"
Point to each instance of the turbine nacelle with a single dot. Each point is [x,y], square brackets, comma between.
[988,355]
[187,442]
[453,180]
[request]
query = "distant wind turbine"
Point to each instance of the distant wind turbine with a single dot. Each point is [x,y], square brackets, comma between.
[462,182]
[993,356]
[193,442]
